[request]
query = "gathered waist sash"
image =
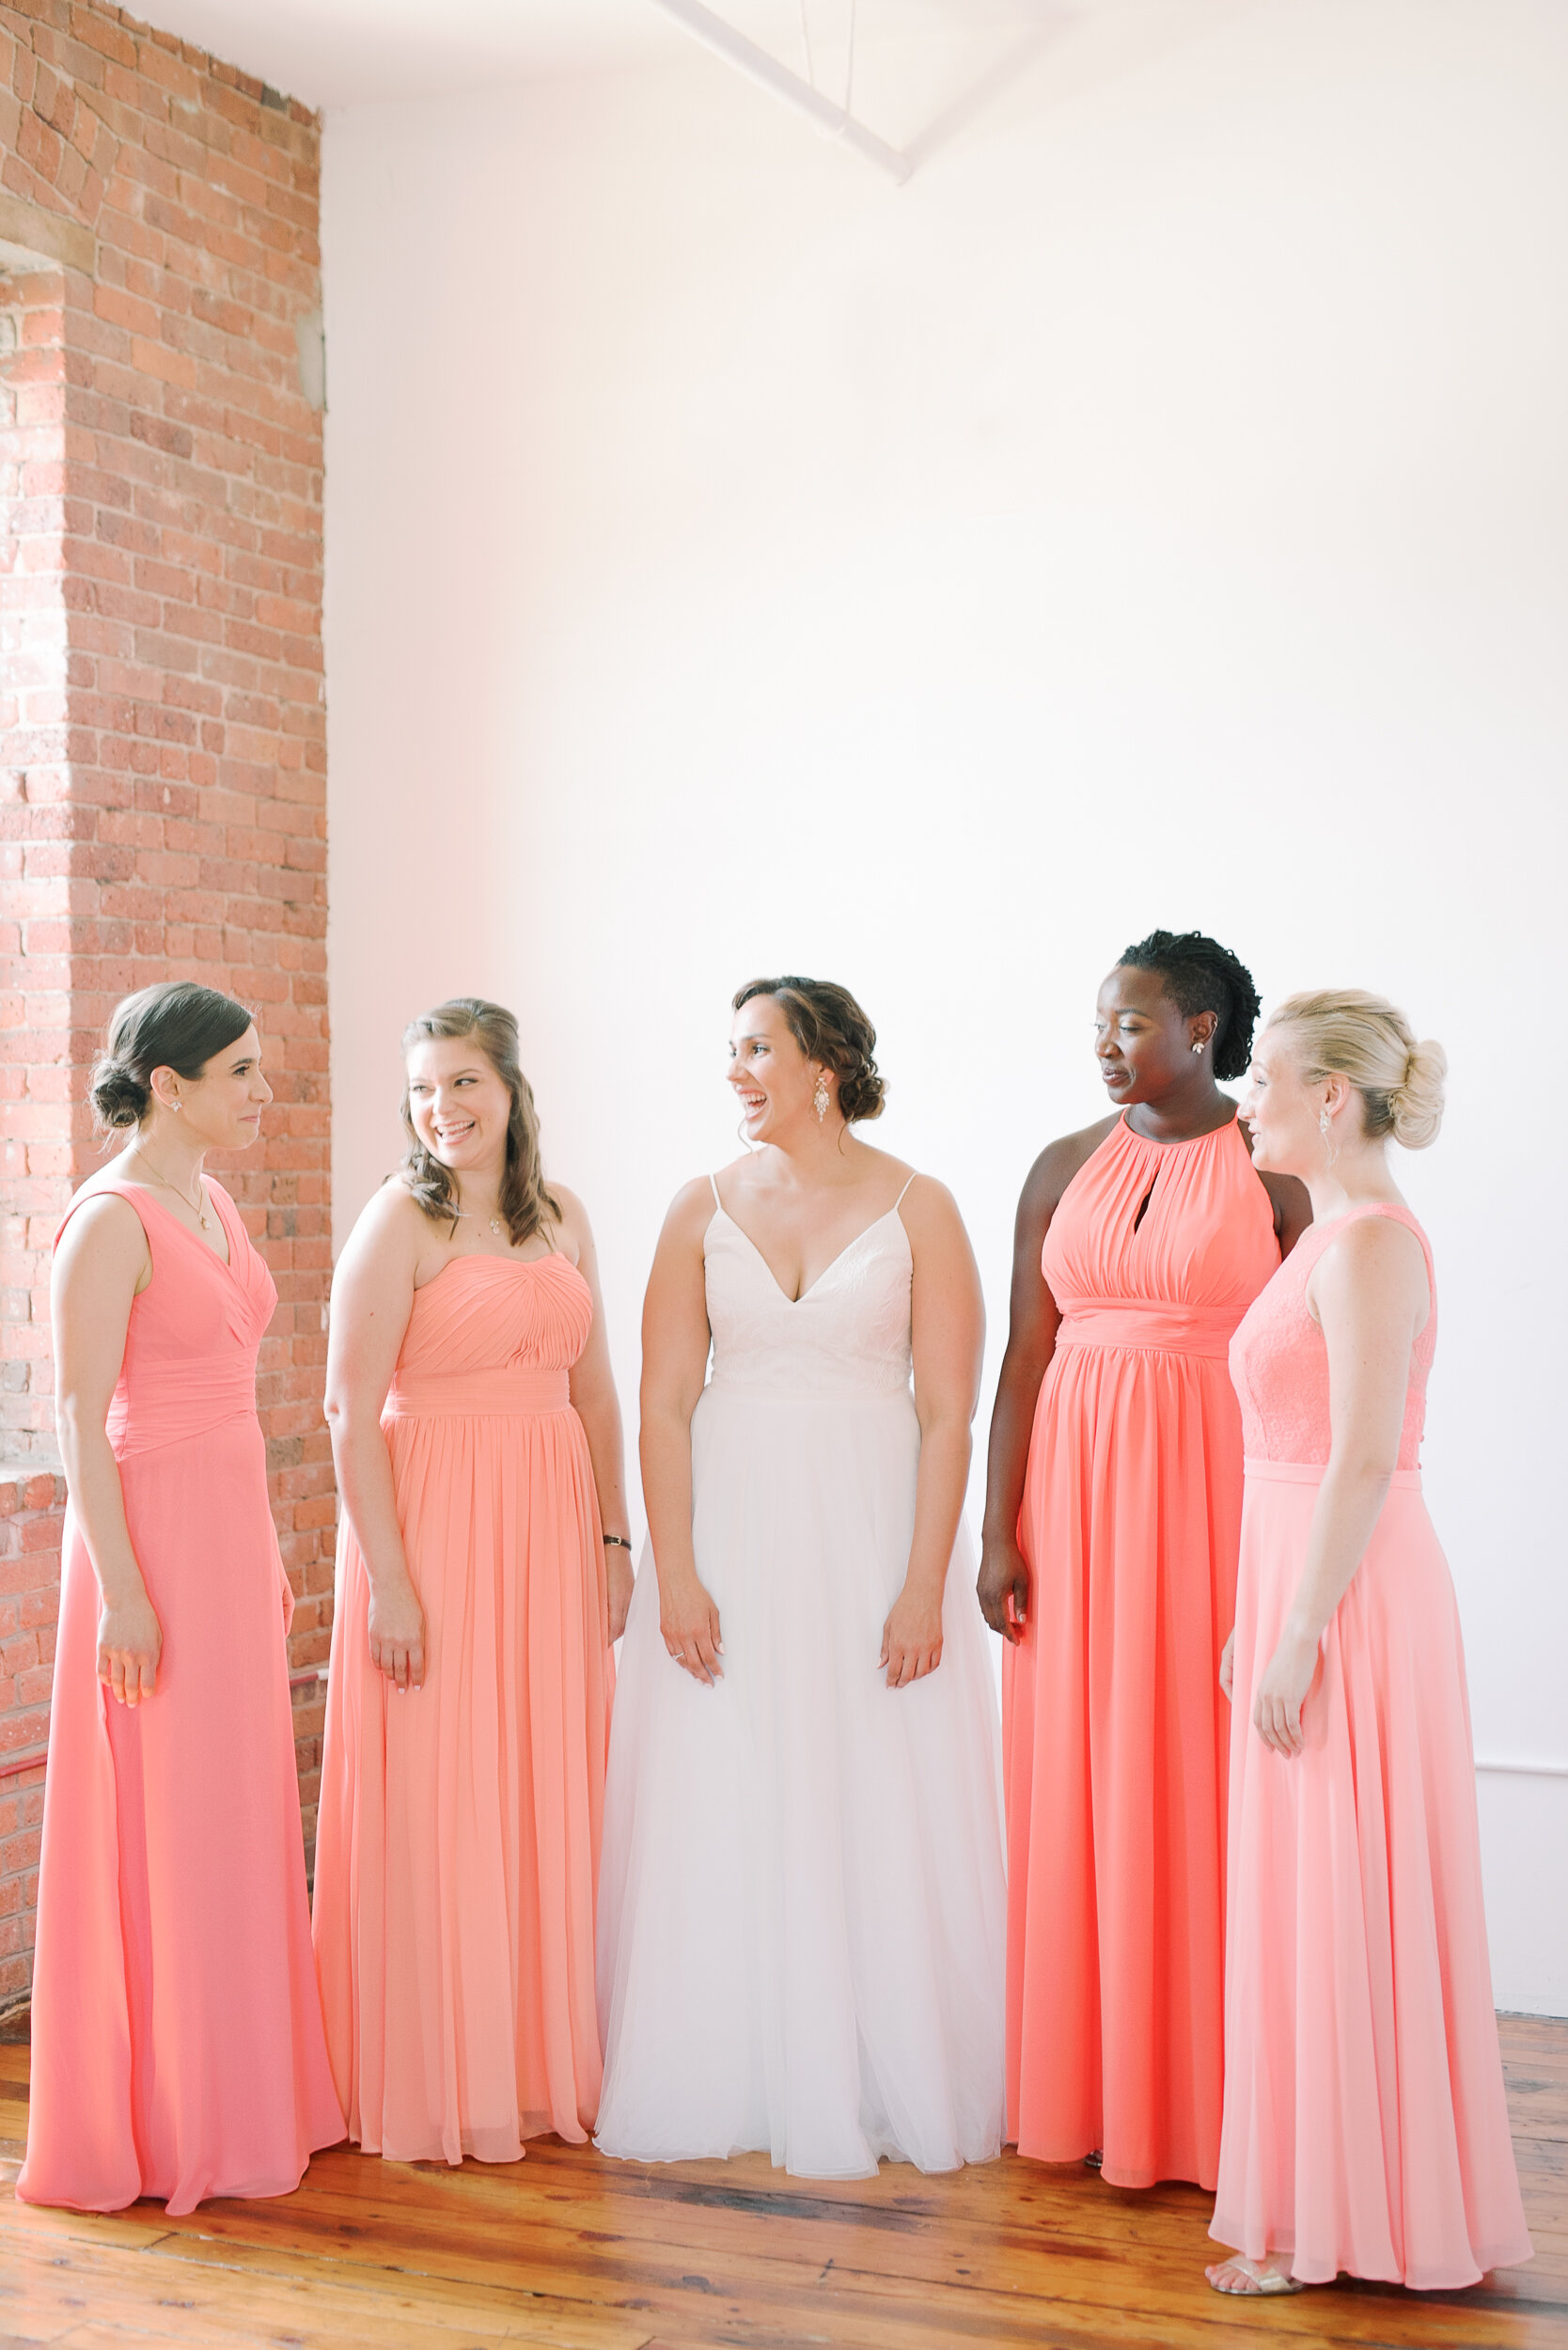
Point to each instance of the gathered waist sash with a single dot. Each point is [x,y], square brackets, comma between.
[1313,1472]
[1146,1323]
[178,1401]
[476,1394]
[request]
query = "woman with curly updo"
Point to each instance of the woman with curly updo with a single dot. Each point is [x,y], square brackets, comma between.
[1113,1513]
[178,2049]
[803,1908]
[1365,2124]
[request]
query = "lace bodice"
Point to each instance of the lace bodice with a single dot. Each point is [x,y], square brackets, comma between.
[1280,1362]
[848,1336]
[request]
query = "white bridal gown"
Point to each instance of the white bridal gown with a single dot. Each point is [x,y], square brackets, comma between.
[802,1904]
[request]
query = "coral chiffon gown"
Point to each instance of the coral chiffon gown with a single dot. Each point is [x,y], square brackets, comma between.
[177,2037]
[1365,2127]
[458,1857]
[1114,1728]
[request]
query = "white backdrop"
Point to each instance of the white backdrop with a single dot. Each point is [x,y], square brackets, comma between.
[1152,513]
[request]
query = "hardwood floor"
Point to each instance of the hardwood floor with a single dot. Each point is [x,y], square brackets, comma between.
[569,2251]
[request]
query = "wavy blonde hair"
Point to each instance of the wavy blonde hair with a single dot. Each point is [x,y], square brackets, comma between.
[1346,1032]
[527,1202]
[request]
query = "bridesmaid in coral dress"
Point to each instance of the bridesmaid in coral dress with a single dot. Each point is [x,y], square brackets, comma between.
[1113,1512]
[478,1450]
[177,2032]
[1365,2127]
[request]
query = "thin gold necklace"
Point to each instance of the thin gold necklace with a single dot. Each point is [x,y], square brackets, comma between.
[198,1207]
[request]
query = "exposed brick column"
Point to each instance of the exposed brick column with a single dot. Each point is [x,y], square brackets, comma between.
[169,819]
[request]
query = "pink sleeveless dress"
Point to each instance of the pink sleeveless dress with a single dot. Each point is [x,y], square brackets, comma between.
[1114,1729]
[1365,2122]
[177,2030]
[458,1852]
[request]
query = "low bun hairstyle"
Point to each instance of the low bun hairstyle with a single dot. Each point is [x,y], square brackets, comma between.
[1346,1032]
[829,1026]
[176,1025]
[1200,975]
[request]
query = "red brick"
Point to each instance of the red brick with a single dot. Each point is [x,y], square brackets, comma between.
[164,698]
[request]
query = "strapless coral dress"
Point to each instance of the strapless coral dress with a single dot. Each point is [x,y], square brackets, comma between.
[458,1852]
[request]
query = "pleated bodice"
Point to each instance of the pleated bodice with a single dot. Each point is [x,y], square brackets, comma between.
[1160,1243]
[192,1340]
[492,1335]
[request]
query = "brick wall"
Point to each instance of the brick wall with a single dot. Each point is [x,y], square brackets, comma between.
[163,771]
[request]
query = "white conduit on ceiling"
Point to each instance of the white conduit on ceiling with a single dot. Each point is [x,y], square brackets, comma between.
[756,64]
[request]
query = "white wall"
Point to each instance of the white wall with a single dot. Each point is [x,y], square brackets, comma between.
[1152,513]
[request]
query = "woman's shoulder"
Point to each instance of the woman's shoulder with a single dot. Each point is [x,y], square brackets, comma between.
[1061,1159]
[391,1217]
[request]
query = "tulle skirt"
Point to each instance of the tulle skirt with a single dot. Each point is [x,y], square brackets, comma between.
[1365,2124]
[802,1906]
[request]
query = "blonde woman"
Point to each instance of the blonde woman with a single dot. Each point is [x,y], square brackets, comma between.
[1365,2126]
[483,1572]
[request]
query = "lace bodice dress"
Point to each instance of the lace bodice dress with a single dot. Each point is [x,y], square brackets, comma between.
[825,1979]
[1365,2126]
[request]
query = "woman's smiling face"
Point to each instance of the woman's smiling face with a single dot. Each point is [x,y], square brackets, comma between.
[773,1080]
[458,1106]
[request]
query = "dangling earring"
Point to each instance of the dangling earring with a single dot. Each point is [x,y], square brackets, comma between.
[1325,1128]
[819,1097]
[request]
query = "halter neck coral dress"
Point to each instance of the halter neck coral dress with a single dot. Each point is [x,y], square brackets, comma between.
[1114,1730]
[1365,2127]
[458,1859]
[177,2030]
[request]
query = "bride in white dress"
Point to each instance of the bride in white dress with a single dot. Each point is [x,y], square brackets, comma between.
[801,1906]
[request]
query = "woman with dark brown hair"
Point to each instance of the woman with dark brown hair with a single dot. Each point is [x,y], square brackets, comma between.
[803,1906]
[483,1572]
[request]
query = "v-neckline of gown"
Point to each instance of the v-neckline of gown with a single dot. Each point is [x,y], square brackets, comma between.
[225,1265]
[864,1233]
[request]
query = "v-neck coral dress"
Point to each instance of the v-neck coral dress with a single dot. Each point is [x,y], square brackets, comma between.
[177,2050]
[1114,1728]
[1365,2127]
[803,1908]
[458,1852]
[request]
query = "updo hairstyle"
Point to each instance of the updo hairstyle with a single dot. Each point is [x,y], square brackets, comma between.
[526,1203]
[829,1026]
[1200,975]
[176,1025]
[1346,1032]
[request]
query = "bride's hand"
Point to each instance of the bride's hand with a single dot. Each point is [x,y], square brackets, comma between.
[689,1624]
[911,1638]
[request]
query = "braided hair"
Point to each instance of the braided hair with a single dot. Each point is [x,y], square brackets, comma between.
[1200,975]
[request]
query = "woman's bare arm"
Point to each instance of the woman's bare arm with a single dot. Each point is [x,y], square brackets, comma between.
[948,1339]
[1031,1339]
[373,1297]
[103,1260]
[675,1342]
[1369,1293]
[598,1406]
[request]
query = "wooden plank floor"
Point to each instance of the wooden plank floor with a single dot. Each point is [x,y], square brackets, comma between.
[568,2250]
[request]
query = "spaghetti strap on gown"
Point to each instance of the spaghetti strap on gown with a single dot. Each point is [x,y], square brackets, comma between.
[1115,1730]
[802,1904]
[460,1823]
[1365,2127]
[177,2050]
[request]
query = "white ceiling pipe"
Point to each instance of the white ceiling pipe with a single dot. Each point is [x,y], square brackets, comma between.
[769,74]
